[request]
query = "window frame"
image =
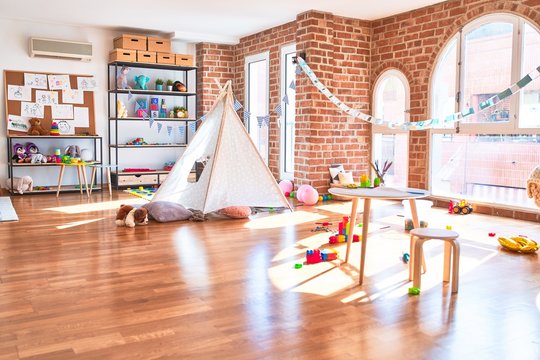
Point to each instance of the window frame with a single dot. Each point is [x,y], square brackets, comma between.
[284,86]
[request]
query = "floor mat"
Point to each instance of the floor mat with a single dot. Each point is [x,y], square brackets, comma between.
[145,193]
[7,212]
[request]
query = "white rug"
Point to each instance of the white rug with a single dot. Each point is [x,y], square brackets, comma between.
[7,212]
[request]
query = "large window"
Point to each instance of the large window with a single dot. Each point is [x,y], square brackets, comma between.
[486,156]
[287,123]
[391,103]
[257,98]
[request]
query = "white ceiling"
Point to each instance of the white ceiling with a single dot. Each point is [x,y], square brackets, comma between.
[223,21]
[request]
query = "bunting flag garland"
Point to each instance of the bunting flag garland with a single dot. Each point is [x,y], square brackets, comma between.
[237,105]
[420,125]
[292,85]
[247,115]
[285,99]
[159,126]
[203,118]
[298,70]
[260,120]
[182,131]
[266,120]
[130,95]
[151,122]
[192,126]
[169,130]
[278,110]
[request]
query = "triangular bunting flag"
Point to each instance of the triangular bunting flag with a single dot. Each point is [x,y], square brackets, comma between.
[298,70]
[193,126]
[286,99]
[151,122]
[292,85]
[159,126]
[130,95]
[169,130]
[247,115]
[278,110]
[203,118]
[260,120]
[181,130]
[267,120]
[237,105]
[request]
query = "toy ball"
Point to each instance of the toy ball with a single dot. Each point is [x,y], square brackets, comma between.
[287,194]
[329,197]
[86,155]
[300,192]
[141,188]
[325,197]
[292,194]
[285,186]
[321,198]
[310,196]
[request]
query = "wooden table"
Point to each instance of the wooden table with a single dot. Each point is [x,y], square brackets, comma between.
[384,193]
[81,173]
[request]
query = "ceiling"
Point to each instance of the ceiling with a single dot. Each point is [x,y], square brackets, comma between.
[194,21]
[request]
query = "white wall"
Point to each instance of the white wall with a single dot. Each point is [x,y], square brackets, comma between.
[14,37]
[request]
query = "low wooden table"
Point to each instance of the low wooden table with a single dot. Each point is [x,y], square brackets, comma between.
[383,193]
[81,173]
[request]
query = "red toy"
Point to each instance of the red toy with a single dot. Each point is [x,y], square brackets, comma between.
[313,256]
[491,234]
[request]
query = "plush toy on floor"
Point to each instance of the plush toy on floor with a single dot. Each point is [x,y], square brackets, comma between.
[21,184]
[130,216]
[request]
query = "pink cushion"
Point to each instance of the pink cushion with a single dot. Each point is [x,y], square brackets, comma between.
[236,212]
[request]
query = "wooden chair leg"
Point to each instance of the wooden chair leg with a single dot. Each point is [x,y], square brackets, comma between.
[80,178]
[83,170]
[92,179]
[411,257]
[447,258]
[418,253]
[60,177]
[109,180]
[455,267]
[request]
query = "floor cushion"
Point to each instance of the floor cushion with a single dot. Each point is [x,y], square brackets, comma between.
[165,211]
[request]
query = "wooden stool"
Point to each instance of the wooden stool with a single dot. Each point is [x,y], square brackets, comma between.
[108,172]
[451,250]
[81,173]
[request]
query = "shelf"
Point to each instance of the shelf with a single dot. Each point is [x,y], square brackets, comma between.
[153,66]
[64,188]
[151,92]
[130,118]
[122,146]
[48,164]
[160,172]
[54,137]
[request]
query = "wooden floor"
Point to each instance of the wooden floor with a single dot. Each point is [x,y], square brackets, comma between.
[73,285]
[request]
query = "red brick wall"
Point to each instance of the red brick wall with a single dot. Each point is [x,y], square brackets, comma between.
[412,41]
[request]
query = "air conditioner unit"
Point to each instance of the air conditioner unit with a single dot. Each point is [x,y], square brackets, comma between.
[61,49]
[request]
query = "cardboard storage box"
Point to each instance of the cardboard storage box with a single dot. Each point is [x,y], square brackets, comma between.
[184,60]
[131,42]
[166,58]
[123,55]
[159,45]
[146,57]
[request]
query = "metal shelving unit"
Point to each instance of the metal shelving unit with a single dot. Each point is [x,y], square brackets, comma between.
[114,120]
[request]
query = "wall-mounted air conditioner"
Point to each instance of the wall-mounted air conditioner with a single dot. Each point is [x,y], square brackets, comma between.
[61,49]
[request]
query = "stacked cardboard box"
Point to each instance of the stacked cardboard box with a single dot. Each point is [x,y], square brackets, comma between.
[137,48]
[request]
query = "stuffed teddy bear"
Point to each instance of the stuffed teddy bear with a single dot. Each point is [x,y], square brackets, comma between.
[121,79]
[21,184]
[130,216]
[19,153]
[36,128]
[141,81]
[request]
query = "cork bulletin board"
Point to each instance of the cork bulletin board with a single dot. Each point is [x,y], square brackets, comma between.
[67,99]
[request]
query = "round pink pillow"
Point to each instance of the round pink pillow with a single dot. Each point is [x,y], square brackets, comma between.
[236,212]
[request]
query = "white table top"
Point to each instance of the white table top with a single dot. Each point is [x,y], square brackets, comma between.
[381,192]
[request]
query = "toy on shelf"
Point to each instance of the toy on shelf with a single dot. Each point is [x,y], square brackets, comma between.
[36,128]
[55,131]
[365,182]
[141,82]
[19,153]
[163,109]
[140,108]
[318,255]
[20,185]
[180,112]
[343,233]
[137,141]
[121,109]
[168,165]
[137,170]
[521,244]
[121,79]
[32,152]
[460,207]
[178,86]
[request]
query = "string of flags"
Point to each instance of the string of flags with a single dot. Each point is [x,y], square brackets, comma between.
[419,125]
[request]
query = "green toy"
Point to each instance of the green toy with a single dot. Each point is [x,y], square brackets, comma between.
[414,291]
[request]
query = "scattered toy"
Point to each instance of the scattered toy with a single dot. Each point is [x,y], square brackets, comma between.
[414,291]
[491,234]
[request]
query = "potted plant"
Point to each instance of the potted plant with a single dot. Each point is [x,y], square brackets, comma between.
[159,84]
[169,85]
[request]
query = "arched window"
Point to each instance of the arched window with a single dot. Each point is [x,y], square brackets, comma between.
[391,99]
[487,156]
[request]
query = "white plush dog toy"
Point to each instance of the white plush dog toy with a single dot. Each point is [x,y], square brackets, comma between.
[21,184]
[533,186]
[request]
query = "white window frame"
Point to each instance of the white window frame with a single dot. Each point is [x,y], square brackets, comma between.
[503,128]
[385,130]
[264,56]
[285,50]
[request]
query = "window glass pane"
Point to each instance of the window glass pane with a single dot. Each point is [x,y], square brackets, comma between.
[487,168]
[529,109]
[392,148]
[288,115]
[258,104]
[444,85]
[391,103]
[487,70]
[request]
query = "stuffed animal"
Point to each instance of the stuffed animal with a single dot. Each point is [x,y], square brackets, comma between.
[73,151]
[33,154]
[21,184]
[178,86]
[36,128]
[121,79]
[129,216]
[141,81]
[121,109]
[19,153]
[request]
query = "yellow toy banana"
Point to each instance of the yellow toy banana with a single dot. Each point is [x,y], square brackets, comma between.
[520,244]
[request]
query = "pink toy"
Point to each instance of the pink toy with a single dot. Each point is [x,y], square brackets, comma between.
[310,196]
[300,192]
[286,186]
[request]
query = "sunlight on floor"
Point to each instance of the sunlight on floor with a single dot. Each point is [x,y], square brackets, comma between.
[282,220]
[344,208]
[99,206]
[538,301]
[77,223]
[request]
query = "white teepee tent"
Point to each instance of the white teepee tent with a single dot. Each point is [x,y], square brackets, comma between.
[234,173]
